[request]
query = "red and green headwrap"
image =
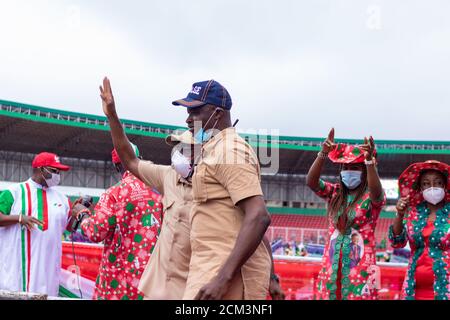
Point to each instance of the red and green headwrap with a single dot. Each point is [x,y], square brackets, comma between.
[344,153]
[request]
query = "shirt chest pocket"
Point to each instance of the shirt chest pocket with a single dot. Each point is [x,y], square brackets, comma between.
[199,191]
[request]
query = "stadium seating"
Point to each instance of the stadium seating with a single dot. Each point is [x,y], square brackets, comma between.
[298,221]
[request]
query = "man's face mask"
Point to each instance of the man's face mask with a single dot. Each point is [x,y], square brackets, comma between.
[351,178]
[181,164]
[434,195]
[202,136]
[54,180]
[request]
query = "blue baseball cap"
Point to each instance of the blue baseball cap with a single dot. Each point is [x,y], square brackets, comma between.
[206,92]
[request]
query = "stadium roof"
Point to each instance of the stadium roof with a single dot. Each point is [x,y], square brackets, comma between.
[32,129]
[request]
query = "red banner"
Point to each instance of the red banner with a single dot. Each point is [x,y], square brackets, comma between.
[297,276]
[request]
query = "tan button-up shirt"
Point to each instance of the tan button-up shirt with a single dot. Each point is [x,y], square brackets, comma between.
[167,270]
[227,173]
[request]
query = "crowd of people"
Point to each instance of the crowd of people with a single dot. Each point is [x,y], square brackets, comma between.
[195,229]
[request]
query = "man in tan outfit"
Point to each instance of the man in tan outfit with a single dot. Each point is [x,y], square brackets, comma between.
[229,217]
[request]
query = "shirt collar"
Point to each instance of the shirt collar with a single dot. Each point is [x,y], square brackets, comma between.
[35,184]
[216,138]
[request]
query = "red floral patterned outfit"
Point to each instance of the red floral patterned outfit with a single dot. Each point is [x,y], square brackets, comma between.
[128,218]
[349,270]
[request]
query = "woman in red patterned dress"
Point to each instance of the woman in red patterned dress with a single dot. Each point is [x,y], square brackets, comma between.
[354,205]
[423,220]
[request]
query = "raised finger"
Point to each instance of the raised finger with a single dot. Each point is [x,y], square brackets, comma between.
[331,135]
[108,85]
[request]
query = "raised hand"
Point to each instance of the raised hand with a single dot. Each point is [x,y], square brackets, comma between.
[109,107]
[328,145]
[402,205]
[368,147]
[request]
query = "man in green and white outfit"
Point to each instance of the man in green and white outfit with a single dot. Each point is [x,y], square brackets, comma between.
[33,217]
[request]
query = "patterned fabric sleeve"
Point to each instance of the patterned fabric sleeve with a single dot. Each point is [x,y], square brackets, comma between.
[380,202]
[378,205]
[326,189]
[446,238]
[6,202]
[101,224]
[397,241]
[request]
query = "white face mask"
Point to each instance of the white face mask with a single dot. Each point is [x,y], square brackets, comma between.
[351,178]
[54,180]
[434,195]
[181,164]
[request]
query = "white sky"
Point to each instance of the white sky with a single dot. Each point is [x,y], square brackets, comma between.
[365,67]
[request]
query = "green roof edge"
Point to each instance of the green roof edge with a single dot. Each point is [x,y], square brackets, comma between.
[163,126]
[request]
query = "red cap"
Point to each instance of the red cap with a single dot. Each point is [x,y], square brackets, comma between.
[115,157]
[47,159]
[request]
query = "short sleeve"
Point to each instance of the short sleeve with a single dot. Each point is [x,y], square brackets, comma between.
[153,174]
[240,180]
[6,202]
[326,189]
[378,204]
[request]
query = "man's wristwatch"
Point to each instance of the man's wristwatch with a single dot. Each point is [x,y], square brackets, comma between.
[369,162]
[273,276]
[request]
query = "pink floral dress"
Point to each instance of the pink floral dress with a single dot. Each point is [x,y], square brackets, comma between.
[349,270]
[128,219]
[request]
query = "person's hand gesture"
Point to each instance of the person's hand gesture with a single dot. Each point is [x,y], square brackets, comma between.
[328,145]
[402,206]
[30,222]
[109,107]
[368,147]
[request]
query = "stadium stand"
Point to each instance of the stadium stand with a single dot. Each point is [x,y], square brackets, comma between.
[83,141]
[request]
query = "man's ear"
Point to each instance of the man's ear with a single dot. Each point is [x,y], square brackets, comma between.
[42,171]
[219,114]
